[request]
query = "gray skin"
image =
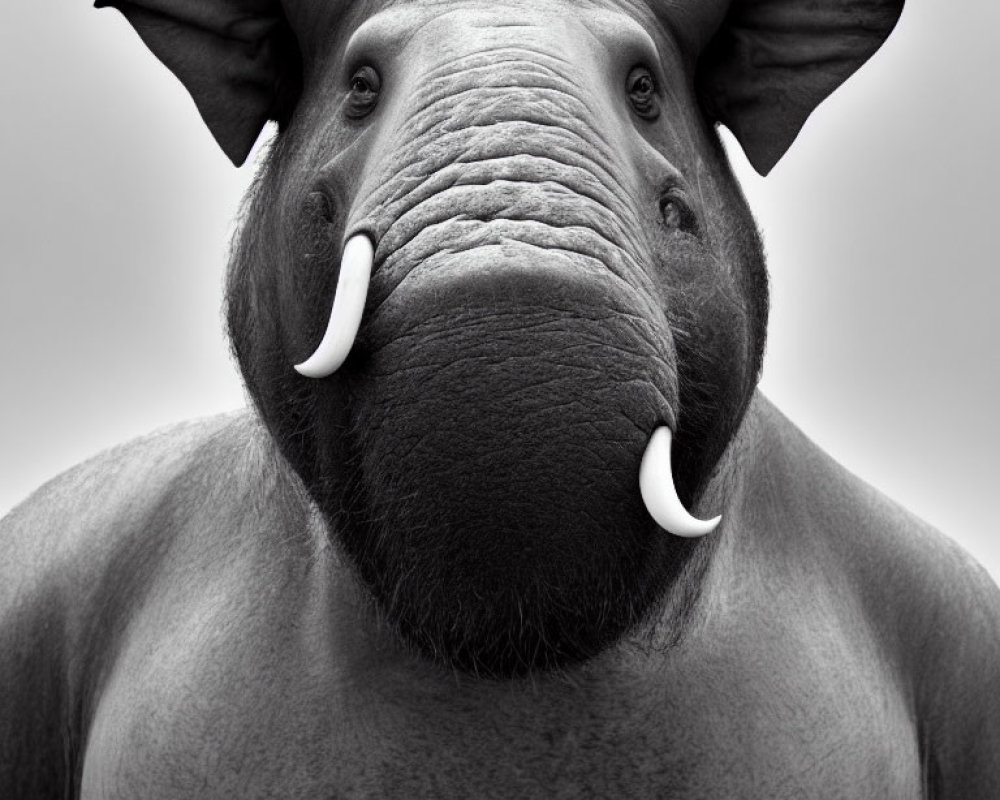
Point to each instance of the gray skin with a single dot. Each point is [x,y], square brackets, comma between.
[431,574]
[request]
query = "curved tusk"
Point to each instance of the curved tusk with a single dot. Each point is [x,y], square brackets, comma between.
[345,317]
[656,485]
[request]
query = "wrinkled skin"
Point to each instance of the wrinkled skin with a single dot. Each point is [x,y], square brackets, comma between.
[431,573]
[533,306]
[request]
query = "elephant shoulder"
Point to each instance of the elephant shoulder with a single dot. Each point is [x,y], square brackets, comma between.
[74,522]
[933,610]
[944,609]
[74,558]
[939,612]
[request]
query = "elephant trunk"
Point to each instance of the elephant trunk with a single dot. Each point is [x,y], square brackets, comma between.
[656,481]
[499,414]
[512,364]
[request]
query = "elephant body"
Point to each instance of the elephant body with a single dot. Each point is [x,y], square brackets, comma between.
[500,309]
[219,647]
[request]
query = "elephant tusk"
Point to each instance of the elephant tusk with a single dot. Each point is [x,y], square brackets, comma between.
[656,485]
[345,317]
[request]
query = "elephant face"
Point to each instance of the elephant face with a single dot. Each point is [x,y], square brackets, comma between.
[562,264]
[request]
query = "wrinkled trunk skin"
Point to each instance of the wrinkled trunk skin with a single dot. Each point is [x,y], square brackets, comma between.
[530,323]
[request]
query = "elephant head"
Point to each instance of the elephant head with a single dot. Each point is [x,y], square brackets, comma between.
[540,269]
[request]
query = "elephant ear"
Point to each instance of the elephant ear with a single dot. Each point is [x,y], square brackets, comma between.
[237,59]
[773,61]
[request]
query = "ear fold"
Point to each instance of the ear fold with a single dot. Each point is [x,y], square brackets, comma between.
[773,61]
[237,58]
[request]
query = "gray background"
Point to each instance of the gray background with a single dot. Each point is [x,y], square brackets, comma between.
[881,226]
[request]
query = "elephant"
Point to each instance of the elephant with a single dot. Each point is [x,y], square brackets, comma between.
[508,516]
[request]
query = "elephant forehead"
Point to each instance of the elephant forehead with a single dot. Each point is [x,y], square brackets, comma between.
[463,26]
[690,23]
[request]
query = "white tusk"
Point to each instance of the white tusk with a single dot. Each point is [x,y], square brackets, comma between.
[348,303]
[656,485]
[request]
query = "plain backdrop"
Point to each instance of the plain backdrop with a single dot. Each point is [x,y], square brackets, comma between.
[881,226]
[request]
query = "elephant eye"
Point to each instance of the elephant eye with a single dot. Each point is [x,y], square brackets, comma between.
[642,93]
[365,87]
[676,214]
